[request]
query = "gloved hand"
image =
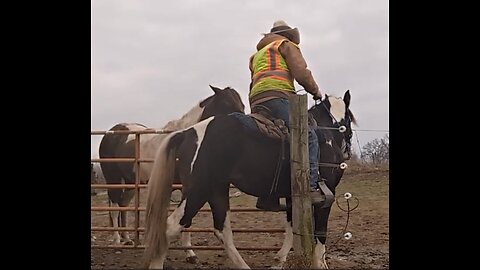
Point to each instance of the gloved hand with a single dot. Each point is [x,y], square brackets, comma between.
[317,96]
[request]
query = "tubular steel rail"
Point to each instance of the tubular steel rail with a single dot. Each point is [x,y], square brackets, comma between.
[137,186]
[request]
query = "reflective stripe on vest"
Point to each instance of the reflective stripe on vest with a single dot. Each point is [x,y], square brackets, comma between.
[270,71]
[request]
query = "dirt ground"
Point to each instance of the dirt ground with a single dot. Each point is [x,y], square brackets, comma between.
[367,249]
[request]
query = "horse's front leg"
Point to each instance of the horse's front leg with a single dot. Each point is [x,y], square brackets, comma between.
[321,221]
[127,197]
[113,215]
[287,245]
[123,223]
[186,241]
[319,252]
[288,240]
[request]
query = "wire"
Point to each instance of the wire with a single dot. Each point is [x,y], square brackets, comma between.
[372,130]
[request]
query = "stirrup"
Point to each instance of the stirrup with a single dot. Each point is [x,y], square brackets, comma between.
[329,198]
[270,204]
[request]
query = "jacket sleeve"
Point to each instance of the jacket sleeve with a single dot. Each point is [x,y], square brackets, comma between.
[298,67]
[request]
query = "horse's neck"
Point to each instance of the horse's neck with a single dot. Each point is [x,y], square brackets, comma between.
[190,118]
[151,142]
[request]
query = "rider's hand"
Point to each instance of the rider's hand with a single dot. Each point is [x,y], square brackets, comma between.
[317,96]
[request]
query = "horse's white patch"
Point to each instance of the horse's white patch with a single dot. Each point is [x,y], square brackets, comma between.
[287,243]
[319,257]
[186,241]
[133,127]
[337,108]
[200,128]
[329,142]
[173,222]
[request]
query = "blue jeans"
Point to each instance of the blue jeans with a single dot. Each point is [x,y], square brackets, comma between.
[279,109]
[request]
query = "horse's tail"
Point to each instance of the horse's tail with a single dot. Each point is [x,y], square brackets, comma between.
[158,200]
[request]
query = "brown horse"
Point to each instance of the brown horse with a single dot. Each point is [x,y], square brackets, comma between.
[223,101]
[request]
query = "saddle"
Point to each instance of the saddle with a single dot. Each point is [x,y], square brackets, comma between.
[268,125]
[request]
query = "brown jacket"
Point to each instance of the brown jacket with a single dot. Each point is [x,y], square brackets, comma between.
[296,64]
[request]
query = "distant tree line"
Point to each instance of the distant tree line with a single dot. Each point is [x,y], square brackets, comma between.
[376,151]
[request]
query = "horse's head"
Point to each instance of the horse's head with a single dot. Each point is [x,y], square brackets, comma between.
[223,101]
[333,114]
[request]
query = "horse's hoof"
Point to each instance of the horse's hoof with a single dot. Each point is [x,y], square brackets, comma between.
[128,242]
[192,259]
[116,243]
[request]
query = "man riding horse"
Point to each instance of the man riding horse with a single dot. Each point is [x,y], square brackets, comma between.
[274,67]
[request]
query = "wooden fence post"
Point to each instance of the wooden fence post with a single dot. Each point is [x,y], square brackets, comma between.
[301,203]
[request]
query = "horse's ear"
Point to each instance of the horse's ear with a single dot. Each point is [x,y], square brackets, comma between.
[215,89]
[346,98]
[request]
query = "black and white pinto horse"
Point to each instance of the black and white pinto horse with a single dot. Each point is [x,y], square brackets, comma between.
[223,101]
[222,150]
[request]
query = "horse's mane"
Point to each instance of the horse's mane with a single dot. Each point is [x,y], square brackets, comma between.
[352,117]
[188,119]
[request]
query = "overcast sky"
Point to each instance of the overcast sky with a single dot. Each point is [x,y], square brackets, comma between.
[153,60]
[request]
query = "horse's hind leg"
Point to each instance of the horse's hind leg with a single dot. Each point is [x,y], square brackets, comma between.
[173,222]
[191,257]
[172,231]
[219,204]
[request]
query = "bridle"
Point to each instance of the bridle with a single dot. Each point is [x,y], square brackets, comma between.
[339,128]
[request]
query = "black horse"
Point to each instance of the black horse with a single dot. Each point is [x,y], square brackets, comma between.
[222,150]
[222,101]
